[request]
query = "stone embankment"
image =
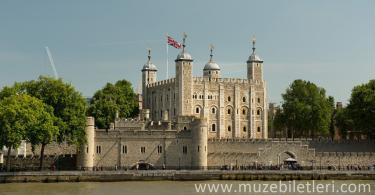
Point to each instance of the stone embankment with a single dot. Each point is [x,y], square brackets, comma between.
[180,175]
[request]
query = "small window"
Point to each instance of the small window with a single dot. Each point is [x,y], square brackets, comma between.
[198,148]
[229,111]
[244,129]
[213,110]
[98,149]
[143,149]
[213,127]
[185,128]
[160,149]
[184,149]
[229,98]
[258,129]
[243,111]
[124,149]
[258,100]
[197,110]
[87,149]
[229,128]
[258,112]
[244,99]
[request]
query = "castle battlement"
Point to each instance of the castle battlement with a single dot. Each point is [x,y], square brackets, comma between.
[223,80]
[162,82]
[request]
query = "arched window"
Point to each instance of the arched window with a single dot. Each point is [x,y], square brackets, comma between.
[229,128]
[213,127]
[229,98]
[229,111]
[213,110]
[185,128]
[244,129]
[258,100]
[197,110]
[244,99]
[258,129]
[243,111]
[258,112]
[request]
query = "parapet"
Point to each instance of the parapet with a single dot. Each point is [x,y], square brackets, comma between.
[162,82]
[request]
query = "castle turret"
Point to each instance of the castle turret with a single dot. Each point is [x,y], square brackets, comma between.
[148,76]
[184,81]
[86,153]
[211,69]
[254,66]
[199,144]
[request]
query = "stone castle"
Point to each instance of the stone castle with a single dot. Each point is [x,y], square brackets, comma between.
[179,116]
[192,122]
[202,122]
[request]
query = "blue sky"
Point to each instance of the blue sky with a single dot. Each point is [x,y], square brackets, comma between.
[331,43]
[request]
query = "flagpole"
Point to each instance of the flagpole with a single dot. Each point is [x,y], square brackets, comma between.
[167,61]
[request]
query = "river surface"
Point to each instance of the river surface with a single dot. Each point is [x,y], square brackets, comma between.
[174,188]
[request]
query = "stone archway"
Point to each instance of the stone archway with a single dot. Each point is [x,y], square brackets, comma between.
[285,155]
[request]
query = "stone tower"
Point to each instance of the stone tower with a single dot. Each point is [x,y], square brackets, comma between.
[211,69]
[184,82]
[86,155]
[199,144]
[148,76]
[254,66]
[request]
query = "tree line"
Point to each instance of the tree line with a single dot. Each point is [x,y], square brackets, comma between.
[306,111]
[49,110]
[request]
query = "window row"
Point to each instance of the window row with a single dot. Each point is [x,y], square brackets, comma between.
[229,128]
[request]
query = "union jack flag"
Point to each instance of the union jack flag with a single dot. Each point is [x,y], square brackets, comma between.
[173,43]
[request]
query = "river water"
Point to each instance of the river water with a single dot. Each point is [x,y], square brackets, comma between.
[178,188]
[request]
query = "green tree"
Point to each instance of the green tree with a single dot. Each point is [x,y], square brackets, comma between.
[361,108]
[111,99]
[19,115]
[306,110]
[69,106]
[343,121]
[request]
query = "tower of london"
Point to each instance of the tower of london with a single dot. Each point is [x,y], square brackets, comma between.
[232,107]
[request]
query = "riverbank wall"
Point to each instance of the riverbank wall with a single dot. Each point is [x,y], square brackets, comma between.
[180,175]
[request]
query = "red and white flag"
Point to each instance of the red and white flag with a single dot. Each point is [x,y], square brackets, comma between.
[173,43]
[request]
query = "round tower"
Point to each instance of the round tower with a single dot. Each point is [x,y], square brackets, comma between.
[199,144]
[211,69]
[254,65]
[86,155]
[184,81]
[148,76]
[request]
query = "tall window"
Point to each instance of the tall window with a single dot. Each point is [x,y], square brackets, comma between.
[243,111]
[229,98]
[124,149]
[244,129]
[258,112]
[229,111]
[143,149]
[229,128]
[160,149]
[197,110]
[98,149]
[213,127]
[258,129]
[244,99]
[213,110]
[258,100]
[184,149]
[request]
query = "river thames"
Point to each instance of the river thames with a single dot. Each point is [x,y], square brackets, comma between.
[190,187]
